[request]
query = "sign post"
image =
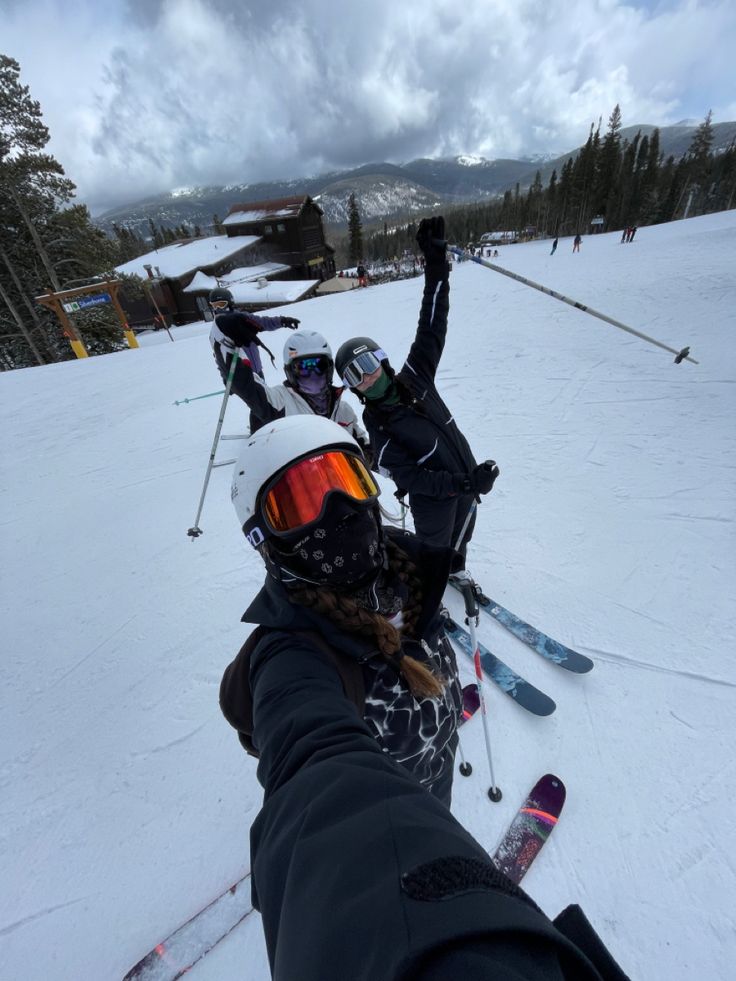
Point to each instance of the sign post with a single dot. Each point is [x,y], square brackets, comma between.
[64,302]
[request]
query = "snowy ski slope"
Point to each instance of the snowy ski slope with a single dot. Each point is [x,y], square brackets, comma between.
[125,800]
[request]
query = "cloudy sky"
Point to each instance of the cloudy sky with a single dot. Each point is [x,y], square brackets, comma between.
[149,95]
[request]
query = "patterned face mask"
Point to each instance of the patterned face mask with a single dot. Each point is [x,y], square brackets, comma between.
[343,549]
[312,384]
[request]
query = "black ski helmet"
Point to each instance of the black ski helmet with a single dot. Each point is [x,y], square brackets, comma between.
[220,293]
[350,350]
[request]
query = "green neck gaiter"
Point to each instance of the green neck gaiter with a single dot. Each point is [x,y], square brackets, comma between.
[383,389]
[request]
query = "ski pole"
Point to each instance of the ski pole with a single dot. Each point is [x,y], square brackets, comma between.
[195,531]
[465,768]
[471,512]
[194,398]
[399,495]
[389,515]
[682,355]
[472,614]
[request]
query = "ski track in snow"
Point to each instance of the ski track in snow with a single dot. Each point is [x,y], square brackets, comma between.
[126,799]
[6,930]
[636,662]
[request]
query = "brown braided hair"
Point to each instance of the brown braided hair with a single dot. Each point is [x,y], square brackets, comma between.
[350,616]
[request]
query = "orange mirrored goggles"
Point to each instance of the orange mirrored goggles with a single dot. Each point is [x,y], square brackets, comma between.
[297,497]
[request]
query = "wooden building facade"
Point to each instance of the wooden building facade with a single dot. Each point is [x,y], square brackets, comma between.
[291,232]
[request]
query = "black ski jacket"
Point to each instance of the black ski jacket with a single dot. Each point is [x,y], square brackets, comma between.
[358,872]
[419,734]
[417,442]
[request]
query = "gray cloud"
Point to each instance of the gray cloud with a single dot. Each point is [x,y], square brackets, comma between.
[142,96]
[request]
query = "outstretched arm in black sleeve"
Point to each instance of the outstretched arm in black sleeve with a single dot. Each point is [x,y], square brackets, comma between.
[359,872]
[429,342]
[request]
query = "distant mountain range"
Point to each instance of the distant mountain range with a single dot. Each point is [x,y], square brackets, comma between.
[385,191]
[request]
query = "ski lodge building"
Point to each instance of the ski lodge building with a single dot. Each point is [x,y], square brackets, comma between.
[272,253]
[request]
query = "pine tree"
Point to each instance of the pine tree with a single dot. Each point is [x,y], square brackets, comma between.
[700,148]
[45,242]
[608,169]
[355,231]
[32,185]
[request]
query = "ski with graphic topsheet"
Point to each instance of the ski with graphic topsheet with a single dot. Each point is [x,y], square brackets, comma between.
[175,956]
[516,687]
[530,828]
[540,642]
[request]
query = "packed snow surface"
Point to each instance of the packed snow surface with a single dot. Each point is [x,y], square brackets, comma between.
[125,799]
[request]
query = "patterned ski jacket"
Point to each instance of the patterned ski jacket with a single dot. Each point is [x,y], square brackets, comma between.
[417,442]
[419,734]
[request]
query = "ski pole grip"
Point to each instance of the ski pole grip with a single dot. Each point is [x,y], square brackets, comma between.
[471,600]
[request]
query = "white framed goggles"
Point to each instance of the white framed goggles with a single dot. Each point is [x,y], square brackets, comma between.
[363,364]
[297,496]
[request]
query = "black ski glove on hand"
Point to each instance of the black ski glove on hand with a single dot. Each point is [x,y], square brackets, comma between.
[291,322]
[431,240]
[483,477]
[478,481]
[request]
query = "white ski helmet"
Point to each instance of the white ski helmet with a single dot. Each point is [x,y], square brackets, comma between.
[271,449]
[306,344]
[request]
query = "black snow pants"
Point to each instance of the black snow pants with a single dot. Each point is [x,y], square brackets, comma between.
[440,522]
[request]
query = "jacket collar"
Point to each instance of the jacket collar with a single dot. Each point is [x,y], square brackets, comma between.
[273,608]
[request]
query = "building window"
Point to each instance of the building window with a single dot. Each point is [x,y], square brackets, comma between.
[281,227]
[268,230]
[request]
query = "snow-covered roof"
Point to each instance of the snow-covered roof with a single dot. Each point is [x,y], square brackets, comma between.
[249,273]
[181,258]
[245,274]
[279,291]
[261,210]
[201,283]
[255,215]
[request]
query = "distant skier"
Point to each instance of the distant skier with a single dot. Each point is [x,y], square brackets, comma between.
[414,436]
[344,598]
[233,329]
[362,275]
[554,246]
[632,233]
[625,234]
[576,243]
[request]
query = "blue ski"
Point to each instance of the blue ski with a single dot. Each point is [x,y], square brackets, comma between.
[549,648]
[516,687]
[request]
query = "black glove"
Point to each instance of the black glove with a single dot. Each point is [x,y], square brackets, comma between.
[478,481]
[291,322]
[431,240]
[483,477]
